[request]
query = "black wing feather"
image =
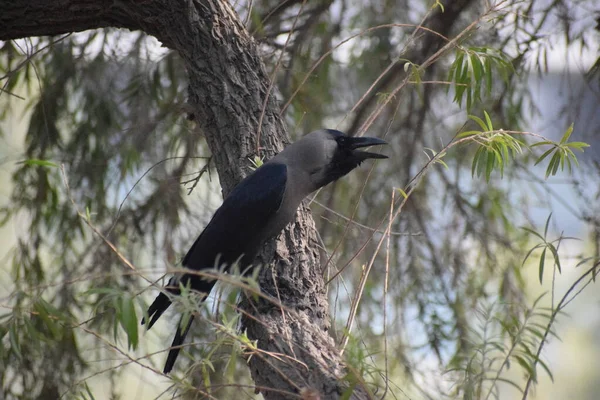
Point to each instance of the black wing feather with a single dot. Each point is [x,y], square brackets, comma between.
[235,229]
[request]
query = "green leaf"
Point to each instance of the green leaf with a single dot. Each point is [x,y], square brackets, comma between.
[129,321]
[438,4]
[547,225]
[49,319]
[567,135]
[490,165]
[479,122]
[556,155]
[206,375]
[348,392]
[513,384]
[38,163]
[531,251]
[535,332]
[543,364]
[553,165]
[489,121]
[440,161]
[578,145]
[543,156]
[488,75]
[469,99]
[526,366]
[14,341]
[541,268]
[402,192]
[555,255]
[231,364]
[477,166]
[256,162]
[544,142]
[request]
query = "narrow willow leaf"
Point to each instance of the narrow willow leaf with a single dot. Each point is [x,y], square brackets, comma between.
[531,251]
[475,162]
[206,377]
[535,332]
[479,122]
[49,320]
[14,341]
[574,158]
[38,163]
[129,321]
[231,364]
[402,192]
[543,142]
[543,364]
[513,384]
[547,225]
[489,121]
[577,145]
[469,99]
[555,255]
[440,161]
[556,163]
[541,267]
[543,156]
[526,366]
[490,165]
[457,65]
[553,165]
[440,5]
[488,75]
[567,134]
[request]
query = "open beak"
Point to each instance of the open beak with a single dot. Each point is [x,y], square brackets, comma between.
[360,142]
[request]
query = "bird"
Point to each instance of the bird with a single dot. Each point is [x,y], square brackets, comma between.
[259,208]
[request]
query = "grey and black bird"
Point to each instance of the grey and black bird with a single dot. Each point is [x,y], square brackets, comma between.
[258,208]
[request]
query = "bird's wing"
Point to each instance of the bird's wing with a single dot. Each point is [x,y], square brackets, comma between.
[239,223]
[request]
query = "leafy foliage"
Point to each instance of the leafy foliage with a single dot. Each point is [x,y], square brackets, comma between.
[474,70]
[561,152]
[497,344]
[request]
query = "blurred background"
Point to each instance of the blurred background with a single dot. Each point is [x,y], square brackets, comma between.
[462,307]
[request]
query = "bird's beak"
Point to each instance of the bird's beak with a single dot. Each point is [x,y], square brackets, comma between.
[359,142]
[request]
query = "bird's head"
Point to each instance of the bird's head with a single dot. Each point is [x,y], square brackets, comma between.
[327,155]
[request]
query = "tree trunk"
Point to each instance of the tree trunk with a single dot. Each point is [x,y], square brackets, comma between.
[228,85]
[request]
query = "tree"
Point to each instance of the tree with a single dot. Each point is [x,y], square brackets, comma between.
[231,100]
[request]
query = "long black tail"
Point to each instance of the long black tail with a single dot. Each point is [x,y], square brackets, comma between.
[177,344]
[160,305]
[157,308]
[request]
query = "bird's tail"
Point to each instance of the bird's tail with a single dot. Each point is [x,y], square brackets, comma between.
[160,305]
[157,308]
[177,343]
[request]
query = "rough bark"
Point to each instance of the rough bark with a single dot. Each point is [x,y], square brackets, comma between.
[227,88]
